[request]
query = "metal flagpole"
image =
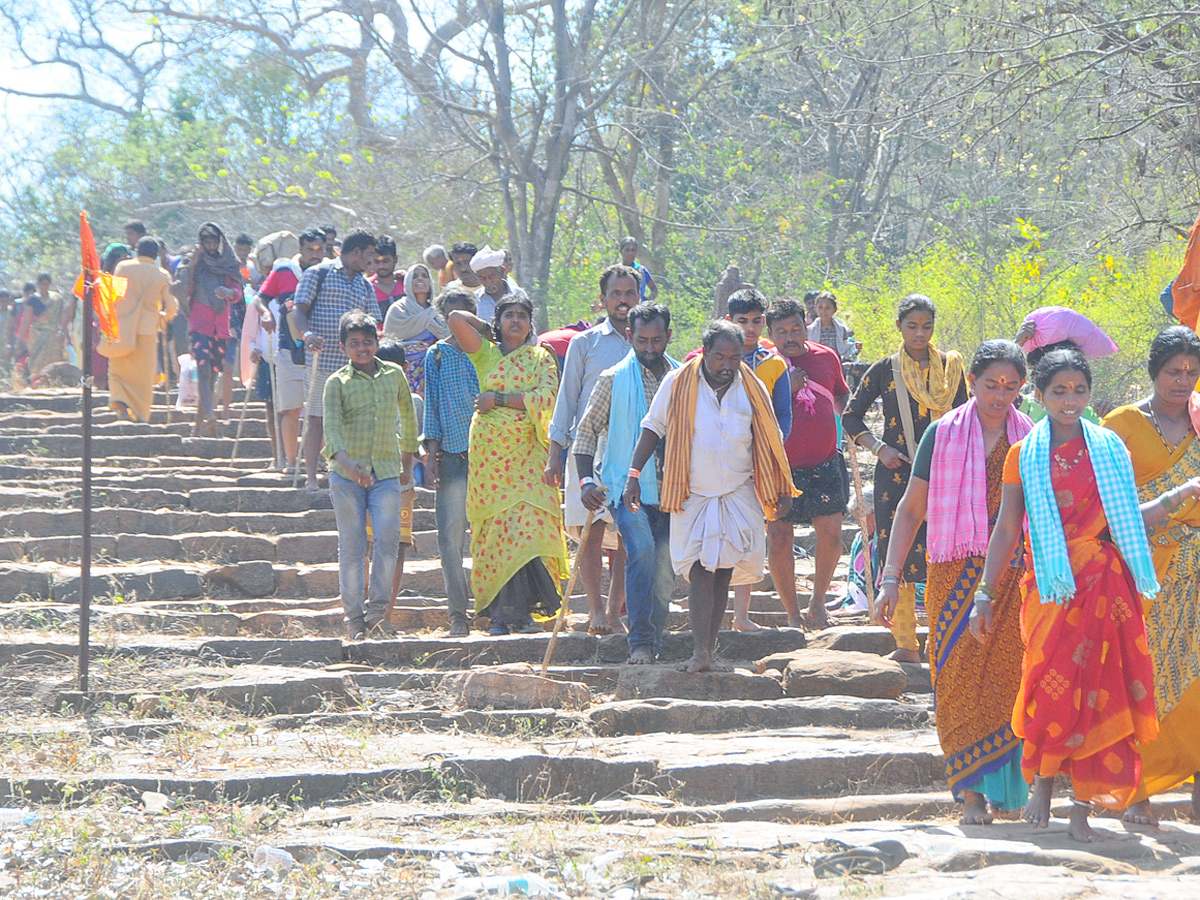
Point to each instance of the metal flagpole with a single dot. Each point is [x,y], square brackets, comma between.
[85,556]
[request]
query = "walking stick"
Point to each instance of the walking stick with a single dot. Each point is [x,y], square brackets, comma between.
[312,383]
[861,514]
[237,438]
[562,610]
[275,415]
[163,363]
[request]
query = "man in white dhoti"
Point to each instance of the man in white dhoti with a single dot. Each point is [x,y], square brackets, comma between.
[724,467]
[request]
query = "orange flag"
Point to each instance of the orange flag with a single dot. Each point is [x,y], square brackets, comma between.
[106,290]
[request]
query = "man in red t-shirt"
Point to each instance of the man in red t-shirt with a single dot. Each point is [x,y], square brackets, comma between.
[556,341]
[819,395]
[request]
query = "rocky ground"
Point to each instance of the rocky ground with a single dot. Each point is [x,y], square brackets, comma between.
[234,745]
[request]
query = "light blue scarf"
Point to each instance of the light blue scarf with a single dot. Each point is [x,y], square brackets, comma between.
[625,416]
[1118,496]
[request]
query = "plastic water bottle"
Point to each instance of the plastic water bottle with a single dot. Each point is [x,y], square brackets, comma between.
[273,858]
[527,884]
[16,818]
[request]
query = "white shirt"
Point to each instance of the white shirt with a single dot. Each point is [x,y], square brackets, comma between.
[722,458]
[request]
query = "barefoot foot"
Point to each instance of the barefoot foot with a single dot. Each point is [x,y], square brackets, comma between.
[1078,827]
[598,625]
[716,664]
[616,626]
[1141,813]
[698,663]
[975,809]
[1037,810]
[745,625]
[906,656]
[641,657]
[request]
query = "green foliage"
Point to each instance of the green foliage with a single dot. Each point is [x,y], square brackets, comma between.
[977,300]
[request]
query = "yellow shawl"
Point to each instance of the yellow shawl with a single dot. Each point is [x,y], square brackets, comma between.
[936,397]
[772,476]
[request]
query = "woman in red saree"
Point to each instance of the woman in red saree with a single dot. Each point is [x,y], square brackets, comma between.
[1087,682]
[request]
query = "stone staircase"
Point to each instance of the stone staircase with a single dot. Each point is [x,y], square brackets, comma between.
[219,674]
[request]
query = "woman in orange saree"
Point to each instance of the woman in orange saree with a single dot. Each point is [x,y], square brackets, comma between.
[1087,682]
[1162,442]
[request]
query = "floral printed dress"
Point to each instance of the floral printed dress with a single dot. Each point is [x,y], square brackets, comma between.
[516,519]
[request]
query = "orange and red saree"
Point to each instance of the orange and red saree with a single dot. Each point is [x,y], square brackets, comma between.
[1087,683]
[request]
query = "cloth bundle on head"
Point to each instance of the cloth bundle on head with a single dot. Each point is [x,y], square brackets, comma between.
[487,258]
[268,250]
[209,273]
[958,511]
[1118,497]
[1057,323]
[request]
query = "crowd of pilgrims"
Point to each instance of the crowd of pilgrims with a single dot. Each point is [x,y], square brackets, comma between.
[1056,554]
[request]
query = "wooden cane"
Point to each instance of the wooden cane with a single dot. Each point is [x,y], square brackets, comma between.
[312,383]
[164,360]
[237,438]
[860,513]
[281,463]
[562,610]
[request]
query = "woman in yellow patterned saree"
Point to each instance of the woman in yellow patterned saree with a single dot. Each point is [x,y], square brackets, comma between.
[1162,442]
[518,546]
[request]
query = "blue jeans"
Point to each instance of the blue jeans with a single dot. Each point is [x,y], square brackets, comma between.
[351,503]
[450,509]
[649,577]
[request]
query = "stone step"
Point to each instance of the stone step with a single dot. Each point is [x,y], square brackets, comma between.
[190,581]
[145,445]
[157,523]
[401,652]
[571,649]
[721,768]
[213,546]
[251,428]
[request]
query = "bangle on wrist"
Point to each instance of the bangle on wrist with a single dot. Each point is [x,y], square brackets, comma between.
[585,481]
[635,473]
[889,579]
[879,445]
[501,398]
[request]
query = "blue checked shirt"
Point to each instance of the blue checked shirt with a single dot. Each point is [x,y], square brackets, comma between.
[451,384]
[339,294]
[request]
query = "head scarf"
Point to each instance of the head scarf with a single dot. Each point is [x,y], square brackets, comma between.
[407,319]
[210,273]
[487,258]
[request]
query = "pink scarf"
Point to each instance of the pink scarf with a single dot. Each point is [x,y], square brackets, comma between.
[957,513]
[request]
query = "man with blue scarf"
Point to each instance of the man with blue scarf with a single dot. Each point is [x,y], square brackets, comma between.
[613,419]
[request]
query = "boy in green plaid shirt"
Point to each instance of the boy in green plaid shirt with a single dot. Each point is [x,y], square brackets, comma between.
[370,464]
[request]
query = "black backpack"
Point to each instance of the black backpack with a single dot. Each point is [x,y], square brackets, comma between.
[287,341]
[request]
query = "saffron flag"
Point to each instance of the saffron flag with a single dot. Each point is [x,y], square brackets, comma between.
[107,290]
